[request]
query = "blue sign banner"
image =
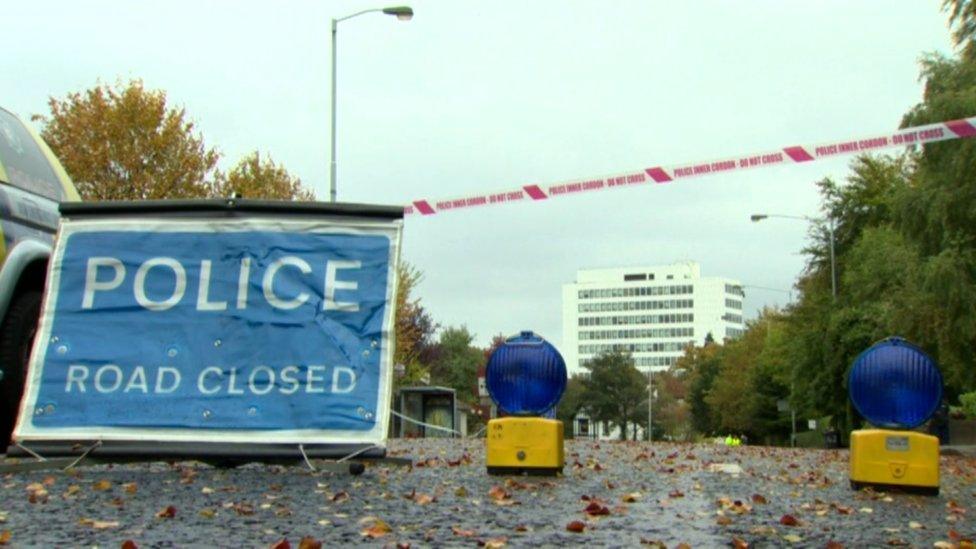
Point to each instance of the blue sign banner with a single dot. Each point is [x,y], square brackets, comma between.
[216,330]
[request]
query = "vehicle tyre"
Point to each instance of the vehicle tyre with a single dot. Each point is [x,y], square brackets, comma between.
[16,338]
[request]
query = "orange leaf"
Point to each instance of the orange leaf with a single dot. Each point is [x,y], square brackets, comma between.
[309,543]
[377,529]
[463,533]
[168,512]
[834,545]
[723,520]
[282,544]
[576,526]
[5,537]
[129,544]
[739,543]
[756,498]
[788,520]
[130,488]
[102,486]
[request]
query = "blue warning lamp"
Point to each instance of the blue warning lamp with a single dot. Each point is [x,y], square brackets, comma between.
[895,385]
[526,375]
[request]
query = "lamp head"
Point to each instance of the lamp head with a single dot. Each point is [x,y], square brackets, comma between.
[758,217]
[403,13]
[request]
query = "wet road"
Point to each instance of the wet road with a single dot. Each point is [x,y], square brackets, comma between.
[616,494]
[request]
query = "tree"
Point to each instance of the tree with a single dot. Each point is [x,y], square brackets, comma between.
[702,364]
[413,325]
[254,177]
[615,390]
[962,14]
[456,363]
[124,143]
[572,402]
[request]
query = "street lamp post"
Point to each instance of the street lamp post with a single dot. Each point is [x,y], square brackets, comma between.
[830,230]
[833,287]
[650,404]
[403,13]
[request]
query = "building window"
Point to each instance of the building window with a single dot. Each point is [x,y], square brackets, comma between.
[632,277]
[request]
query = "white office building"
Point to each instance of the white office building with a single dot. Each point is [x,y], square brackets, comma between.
[653,313]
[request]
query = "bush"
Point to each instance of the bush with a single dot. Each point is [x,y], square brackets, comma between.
[968,401]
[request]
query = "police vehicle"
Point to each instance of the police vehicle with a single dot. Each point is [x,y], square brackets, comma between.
[32,183]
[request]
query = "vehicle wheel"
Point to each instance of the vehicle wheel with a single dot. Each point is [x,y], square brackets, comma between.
[16,338]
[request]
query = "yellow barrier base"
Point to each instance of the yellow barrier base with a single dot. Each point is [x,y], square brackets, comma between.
[904,460]
[524,445]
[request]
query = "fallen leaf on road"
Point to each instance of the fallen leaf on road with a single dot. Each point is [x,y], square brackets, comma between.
[129,544]
[576,526]
[915,525]
[5,537]
[792,538]
[834,545]
[102,486]
[340,497]
[494,543]
[130,488]
[788,520]
[758,499]
[655,544]
[423,499]
[377,527]
[739,543]
[595,509]
[723,520]
[676,494]
[48,481]
[282,544]
[461,492]
[631,497]
[463,533]
[727,468]
[168,512]
[98,524]
[867,510]
[243,508]
[309,542]
[208,513]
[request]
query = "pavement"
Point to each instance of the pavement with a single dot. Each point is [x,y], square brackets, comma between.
[612,494]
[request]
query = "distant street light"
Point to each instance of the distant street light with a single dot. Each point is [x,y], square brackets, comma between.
[403,13]
[833,287]
[830,229]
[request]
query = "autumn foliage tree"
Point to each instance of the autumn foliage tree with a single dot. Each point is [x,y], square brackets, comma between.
[413,324]
[256,177]
[124,142]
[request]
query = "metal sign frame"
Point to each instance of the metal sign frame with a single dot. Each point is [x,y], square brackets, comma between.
[222,216]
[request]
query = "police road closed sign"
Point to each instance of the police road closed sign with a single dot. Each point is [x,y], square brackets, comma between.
[227,330]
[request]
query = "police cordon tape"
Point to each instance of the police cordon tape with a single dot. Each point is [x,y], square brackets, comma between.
[929,133]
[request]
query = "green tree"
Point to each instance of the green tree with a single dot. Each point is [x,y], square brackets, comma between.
[615,390]
[257,177]
[456,363]
[125,143]
[413,325]
[572,402]
[702,365]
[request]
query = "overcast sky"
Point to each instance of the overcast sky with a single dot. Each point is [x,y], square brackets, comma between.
[471,97]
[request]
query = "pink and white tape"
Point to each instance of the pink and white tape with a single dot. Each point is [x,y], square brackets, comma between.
[929,133]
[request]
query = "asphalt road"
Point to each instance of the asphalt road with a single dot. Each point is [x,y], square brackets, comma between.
[617,494]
